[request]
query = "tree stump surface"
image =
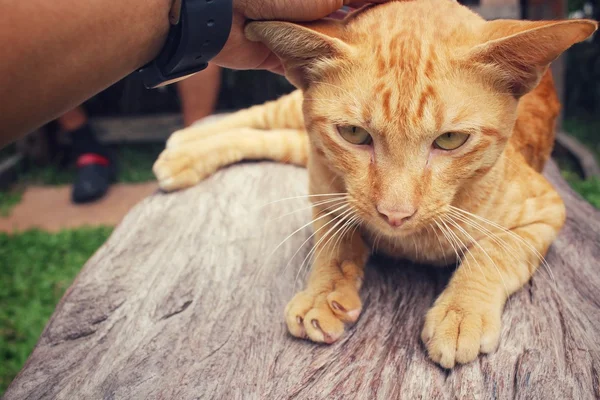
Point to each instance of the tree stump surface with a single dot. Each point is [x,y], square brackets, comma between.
[184,302]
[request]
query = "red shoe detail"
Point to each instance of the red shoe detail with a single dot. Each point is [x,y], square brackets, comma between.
[92,159]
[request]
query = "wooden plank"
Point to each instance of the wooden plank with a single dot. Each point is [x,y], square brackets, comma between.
[185,301]
[498,11]
[144,129]
[8,170]
[584,157]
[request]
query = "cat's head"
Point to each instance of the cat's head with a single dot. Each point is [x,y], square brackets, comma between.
[410,101]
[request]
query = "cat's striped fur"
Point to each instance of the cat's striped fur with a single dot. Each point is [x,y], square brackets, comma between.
[407,72]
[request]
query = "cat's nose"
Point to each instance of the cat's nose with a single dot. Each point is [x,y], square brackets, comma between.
[396,216]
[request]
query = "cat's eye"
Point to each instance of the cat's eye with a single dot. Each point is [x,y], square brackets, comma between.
[355,134]
[450,141]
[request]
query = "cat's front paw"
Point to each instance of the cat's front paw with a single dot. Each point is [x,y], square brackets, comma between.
[459,326]
[320,315]
[175,169]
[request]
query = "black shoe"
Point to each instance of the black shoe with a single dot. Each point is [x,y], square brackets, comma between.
[95,173]
[96,167]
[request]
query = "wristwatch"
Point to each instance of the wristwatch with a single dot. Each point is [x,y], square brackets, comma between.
[199,30]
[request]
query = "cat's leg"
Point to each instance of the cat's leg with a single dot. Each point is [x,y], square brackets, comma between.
[184,166]
[283,113]
[331,297]
[466,318]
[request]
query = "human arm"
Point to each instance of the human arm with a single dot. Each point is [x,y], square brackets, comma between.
[58,54]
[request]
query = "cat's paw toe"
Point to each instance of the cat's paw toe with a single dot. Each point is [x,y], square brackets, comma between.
[322,325]
[178,138]
[345,304]
[180,169]
[320,317]
[457,333]
[174,170]
[295,311]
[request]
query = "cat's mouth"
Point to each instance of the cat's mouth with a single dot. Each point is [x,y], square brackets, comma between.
[397,226]
[397,221]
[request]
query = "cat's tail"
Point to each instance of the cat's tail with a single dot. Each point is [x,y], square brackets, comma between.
[272,131]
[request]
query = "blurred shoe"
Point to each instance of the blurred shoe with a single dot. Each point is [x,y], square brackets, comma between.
[96,168]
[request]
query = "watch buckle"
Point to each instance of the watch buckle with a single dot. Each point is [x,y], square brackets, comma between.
[175,12]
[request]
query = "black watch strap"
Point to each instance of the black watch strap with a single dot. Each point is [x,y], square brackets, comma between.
[197,37]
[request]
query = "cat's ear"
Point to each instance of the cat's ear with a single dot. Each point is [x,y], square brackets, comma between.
[304,49]
[517,53]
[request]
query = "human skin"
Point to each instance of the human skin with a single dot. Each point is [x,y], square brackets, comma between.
[58,54]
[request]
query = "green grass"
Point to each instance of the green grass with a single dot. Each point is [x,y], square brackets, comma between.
[134,164]
[8,200]
[35,270]
[589,189]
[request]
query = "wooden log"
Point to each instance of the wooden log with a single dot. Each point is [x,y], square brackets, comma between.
[582,155]
[185,301]
[8,170]
[141,129]
[504,10]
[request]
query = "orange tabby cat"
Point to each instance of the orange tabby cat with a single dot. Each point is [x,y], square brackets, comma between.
[426,128]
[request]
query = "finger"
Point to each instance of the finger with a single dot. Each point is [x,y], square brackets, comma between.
[271,63]
[356,4]
[278,70]
[351,7]
[290,10]
[339,14]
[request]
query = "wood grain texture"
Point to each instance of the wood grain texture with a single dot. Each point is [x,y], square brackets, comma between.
[155,128]
[184,302]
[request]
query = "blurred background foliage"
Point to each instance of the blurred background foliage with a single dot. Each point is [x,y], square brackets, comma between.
[582,99]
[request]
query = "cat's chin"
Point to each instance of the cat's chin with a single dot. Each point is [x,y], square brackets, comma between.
[394,232]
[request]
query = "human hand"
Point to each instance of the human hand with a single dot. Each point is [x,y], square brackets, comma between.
[240,53]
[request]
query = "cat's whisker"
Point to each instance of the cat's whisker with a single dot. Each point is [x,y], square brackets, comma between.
[335,232]
[463,247]
[552,282]
[318,203]
[308,239]
[439,242]
[308,196]
[298,230]
[514,235]
[476,243]
[347,226]
[376,242]
[497,239]
[459,243]
[348,221]
[416,249]
[441,228]
[342,231]
[316,245]
[489,234]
